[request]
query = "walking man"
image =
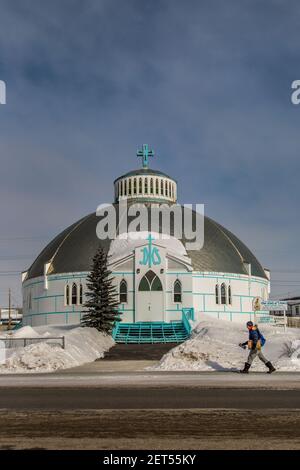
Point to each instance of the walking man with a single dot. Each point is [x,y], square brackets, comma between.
[255,343]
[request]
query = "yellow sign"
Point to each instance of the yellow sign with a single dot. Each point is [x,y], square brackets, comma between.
[257,304]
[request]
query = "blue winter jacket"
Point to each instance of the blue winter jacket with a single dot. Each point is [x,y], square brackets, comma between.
[253,336]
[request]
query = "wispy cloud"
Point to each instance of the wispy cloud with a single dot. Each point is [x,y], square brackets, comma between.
[207,84]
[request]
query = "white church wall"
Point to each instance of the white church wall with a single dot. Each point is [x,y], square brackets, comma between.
[48,305]
[198,290]
[173,309]
[127,309]
[243,290]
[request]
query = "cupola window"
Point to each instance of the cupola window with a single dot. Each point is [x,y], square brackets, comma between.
[156,186]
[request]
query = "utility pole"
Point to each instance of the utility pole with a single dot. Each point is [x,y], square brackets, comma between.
[9,309]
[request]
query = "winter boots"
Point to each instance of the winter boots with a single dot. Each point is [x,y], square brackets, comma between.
[270,367]
[246,368]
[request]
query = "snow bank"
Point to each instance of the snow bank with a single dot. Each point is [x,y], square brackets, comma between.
[25,332]
[82,345]
[214,346]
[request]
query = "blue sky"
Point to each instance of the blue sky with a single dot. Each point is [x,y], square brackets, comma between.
[207,84]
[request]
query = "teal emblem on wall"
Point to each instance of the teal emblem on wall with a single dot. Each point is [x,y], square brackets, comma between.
[151,254]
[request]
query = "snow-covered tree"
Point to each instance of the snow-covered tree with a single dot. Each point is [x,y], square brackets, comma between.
[102,303]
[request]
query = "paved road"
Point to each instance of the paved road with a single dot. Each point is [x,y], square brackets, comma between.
[145,398]
[132,374]
[90,408]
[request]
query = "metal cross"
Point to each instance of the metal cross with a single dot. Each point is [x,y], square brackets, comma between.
[145,154]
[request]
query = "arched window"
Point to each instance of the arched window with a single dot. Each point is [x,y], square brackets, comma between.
[67,295]
[223,294]
[74,294]
[134,186]
[151,185]
[150,282]
[146,185]
[217,294]
[156,186]
[123,292]
[229,295]
[161,187]
[80,294]
[177,291]
[140,186]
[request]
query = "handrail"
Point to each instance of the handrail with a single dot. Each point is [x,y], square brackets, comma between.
[188,314]
[115,329]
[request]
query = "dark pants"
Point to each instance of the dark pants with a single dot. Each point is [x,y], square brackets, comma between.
[256,352]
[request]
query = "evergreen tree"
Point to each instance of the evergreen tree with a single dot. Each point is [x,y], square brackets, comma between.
[102,303]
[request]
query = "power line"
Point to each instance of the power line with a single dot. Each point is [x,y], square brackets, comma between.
[285,271]
[17,273]
[23,238]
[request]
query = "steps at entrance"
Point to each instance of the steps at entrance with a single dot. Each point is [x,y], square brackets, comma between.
[144,332]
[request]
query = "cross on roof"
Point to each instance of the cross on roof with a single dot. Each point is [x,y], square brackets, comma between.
[145,154]
[150,239]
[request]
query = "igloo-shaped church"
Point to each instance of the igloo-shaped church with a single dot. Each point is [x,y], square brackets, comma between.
[157,299]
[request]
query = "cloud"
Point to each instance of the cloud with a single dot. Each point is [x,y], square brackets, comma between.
[206,84]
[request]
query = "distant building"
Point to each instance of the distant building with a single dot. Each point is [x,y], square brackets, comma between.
[15,315]
[293,306]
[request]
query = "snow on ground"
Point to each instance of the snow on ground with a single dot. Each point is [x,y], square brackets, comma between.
[214,346]
[82,345]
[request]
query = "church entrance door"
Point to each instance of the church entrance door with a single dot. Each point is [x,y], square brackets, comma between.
[150,299]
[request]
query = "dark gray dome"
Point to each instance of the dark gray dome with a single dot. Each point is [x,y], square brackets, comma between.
[73,250]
